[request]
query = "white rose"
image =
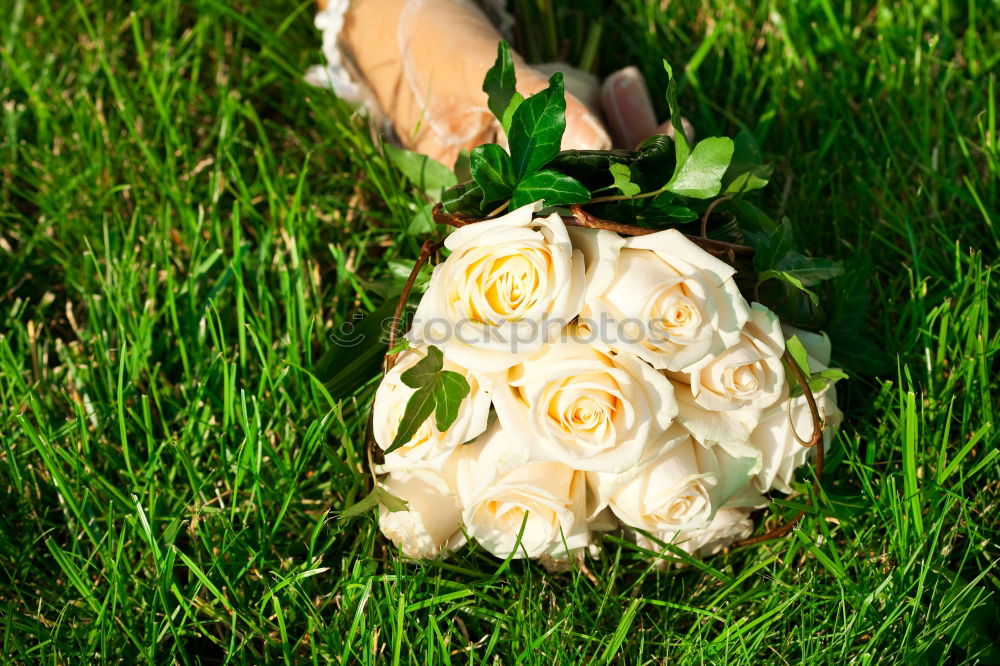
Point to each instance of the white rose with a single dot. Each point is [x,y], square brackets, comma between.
[429,448]
[709,427]
[508,286]
[740,382]
[728,525]
[499,497]
[681,488]
[582,406]
[748,374]
[669,302]
[776,436]
[433,516]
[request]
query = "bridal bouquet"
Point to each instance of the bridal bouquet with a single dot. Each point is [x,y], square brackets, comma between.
[577,364]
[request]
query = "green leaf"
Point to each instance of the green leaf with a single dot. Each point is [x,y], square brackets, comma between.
[463,167]
[657,160]
[775,253]
[438,391]
[493,171]
[418,408]
[798,353]
[499,84]
[820,380]
[428,175]
[701,174]
[449,391]
[422,222]
[554,188]
[423,371]
[831,374]
[536,128]
[508,115]
[465,198]
[650,165]
[400,270]
[623,180]
[400,346]
[771,248]
[749,217]
[681,147]
[655,212]
[809,271]
[664,207]
[378,496]
[791,280]
[745,172]
[591,167]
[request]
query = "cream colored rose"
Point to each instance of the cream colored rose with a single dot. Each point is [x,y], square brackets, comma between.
[669,302]
[431,522]
[775,437]
[681,488]
[429,448]
[500,497]
[508,287]
[721,397]
[727,526]
[709,427]
[582,406]
[747,375]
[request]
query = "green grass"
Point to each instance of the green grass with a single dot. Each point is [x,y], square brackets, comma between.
[184,225]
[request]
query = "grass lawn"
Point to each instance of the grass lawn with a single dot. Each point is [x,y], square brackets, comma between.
[185,226]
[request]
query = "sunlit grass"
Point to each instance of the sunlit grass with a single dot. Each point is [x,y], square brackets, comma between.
[184,225]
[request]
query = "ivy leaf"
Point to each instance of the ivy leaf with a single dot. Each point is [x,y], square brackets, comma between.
[656,157]
[500,81]
[537,126]
[424,370]
[427,174]
[623,180]
[438,391]
[663,209]
[556,189]
[591,167]
[700,176]
[378,496]
[745,172]
[508,115]
[648,164]
[681,147]
[418,408]
[492,171]
[450,390]
[465,198]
